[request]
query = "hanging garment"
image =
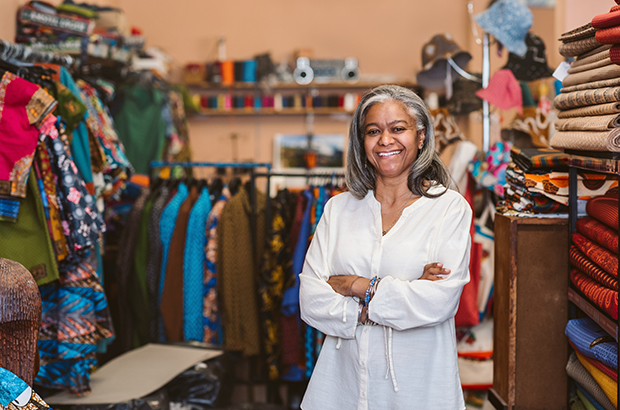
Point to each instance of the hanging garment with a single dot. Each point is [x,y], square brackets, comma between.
[194,259]
[212,320]
[237,266]
[23,107]
[171,305]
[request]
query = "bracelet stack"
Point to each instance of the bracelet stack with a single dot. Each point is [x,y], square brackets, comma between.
[370,293]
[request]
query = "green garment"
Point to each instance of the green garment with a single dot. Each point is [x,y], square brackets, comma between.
[70,108]
[28,240]
[140,125]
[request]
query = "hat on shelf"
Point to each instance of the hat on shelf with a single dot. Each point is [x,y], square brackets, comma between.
[435,55]
[533,66]
[464,99]
[503,91]
[508,21]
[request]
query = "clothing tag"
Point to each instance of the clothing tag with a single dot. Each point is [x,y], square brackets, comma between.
[5,187]
[562,71]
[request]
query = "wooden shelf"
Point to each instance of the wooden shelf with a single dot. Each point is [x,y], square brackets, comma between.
[212,112]
[204,86]
[594,313]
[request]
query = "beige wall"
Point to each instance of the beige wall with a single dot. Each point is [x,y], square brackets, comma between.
[386,37]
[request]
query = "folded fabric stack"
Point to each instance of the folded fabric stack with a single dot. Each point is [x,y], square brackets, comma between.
[593,365]
[589,102]
[537,187]
[594,254]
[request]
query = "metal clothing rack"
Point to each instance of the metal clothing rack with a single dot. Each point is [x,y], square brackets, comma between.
[13,51]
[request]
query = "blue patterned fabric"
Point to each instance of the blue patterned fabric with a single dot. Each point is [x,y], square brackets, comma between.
[582,332]
[11,387]
[9,209]
[166,228]
[193,267]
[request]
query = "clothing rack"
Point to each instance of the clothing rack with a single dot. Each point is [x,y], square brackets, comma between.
[12,51]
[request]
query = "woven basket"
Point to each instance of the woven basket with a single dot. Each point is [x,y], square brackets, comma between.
[601,73]
[565,101]
[599,123]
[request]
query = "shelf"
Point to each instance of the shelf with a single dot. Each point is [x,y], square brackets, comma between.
[361,85]
[589,309]
[607,162]
[271,111]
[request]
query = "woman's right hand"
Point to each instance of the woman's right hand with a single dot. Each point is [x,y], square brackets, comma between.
[432,270]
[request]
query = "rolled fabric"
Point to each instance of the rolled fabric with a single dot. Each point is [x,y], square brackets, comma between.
[577,372]
[584,332]
[603,297]
[599,233]
[565,101]
[609,35]
[600,123]
[606,20]
[612,82]
[592,110]
[604,141]
[605,259]
[605,72]
[607,384]
[599,365]
[575,48]
[586,266]
[614,54]
[590,66]
[597,55]
[578,33]
[604,209]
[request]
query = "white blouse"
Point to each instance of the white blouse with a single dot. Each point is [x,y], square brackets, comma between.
[409,361]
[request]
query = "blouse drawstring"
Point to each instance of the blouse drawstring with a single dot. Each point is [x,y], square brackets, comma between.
[344,320]
[387,344]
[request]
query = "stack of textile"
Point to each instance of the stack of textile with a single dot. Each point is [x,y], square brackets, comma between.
[589,102]
[593,365]
[594,254]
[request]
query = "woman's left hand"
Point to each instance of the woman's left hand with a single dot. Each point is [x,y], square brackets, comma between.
[349,285]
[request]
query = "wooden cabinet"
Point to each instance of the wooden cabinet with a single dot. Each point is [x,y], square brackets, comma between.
[530,313]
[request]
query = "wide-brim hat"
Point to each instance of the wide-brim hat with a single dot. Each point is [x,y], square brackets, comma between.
[533,66]
[464,99]
[503,91]
[508,21]
[435,55]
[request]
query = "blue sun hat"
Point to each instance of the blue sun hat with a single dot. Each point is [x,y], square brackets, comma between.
[508,21]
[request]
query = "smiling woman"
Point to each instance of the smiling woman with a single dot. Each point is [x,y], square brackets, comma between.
[397,246]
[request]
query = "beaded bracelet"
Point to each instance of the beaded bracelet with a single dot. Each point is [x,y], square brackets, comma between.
[367,295]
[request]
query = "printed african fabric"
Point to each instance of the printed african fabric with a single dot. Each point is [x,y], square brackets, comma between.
[585,265]
[597,254]
[23,105]
[598,233]
[555,185]
[601,296]
[212,321]
[489,169]
[75,317]
[529,159]
[16,394]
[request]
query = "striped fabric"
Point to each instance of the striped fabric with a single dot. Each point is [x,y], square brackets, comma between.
[583,332]
[605,369]
[604,209]
[585,265]
[599,233]
[529,159]
[597,254]
[609,387]
[601,296]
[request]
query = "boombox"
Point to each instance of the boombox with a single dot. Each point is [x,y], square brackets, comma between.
[326,71]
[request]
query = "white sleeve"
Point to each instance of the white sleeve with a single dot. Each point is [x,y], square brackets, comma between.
[402,304]
[320,306]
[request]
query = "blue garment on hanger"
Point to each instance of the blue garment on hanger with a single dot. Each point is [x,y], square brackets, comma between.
[80,147]
[166,228]
[194,259]
[290,300]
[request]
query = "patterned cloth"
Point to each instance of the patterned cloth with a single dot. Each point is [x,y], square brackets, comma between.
[604,209]
[23,106]
[598,233]
[585,265]
[194,259]
[605,369]
[597,254]
[9,209]
[75,317]
[15,394]
[539,159]
[555,185]
[583,332]
[489,169]
[211,317]
[601,296]
[607,384]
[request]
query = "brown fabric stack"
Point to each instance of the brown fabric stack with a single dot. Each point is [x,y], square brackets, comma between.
[589,102]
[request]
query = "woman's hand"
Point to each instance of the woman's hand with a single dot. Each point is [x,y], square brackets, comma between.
[349,285]
[432,270]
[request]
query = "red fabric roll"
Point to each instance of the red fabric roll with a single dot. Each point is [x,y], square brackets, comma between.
[609,35]
[615,8]
[599,233]
[601,296]
[599,255]
[614,53]
[606,20]
[585,265]
[604,209]
[605,369]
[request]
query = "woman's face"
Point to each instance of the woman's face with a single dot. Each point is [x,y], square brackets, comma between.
[391,139]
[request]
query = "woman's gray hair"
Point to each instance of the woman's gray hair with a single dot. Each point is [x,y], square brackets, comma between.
[360,174]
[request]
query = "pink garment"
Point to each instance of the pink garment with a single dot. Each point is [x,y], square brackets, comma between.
[23,105]
[503,91]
